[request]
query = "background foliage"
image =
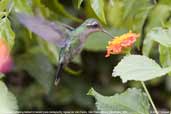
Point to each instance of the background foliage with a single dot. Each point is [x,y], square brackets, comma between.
[35,60]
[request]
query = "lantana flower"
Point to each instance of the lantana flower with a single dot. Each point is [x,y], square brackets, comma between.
[5,58]
[120,43]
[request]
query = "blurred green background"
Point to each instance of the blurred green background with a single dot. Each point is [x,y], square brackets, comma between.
[35,60]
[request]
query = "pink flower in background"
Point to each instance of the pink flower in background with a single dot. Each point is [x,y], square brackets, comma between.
[5,58]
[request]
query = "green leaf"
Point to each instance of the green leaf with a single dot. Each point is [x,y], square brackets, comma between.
[123,14]
[43,10]
[142,7]
[160,35]
[58,8]
[6,32]
[1,75]
[115,11]
[147,46]
[78,3]
[8,101]
[38,66]
[165,56]
[162,12]
[22,6]
[166,2]
[132,101]
[96,42]
[140,68]
[3,5]
[98,7]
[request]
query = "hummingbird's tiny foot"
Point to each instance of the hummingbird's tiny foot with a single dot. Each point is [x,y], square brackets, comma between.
[56,82]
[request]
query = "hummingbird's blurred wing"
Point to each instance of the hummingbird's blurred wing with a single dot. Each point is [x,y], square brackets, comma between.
[49,31]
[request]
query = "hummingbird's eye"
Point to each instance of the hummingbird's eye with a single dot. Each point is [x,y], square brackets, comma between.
[93,25]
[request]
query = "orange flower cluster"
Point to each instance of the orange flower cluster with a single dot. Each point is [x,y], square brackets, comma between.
[5,58]
[119,43]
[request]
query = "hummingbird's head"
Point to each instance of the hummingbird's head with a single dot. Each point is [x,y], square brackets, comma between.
[93,25]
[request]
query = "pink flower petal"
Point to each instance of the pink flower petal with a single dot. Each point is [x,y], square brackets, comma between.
[5,58]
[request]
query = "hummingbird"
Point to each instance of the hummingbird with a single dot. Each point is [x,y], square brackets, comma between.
[70,40]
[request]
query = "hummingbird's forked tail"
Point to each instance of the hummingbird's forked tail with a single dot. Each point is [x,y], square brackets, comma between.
[58,73]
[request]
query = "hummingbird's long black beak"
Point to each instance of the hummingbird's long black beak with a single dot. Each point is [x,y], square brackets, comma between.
[106,32]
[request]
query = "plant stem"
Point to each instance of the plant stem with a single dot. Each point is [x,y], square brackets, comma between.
[149,97]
